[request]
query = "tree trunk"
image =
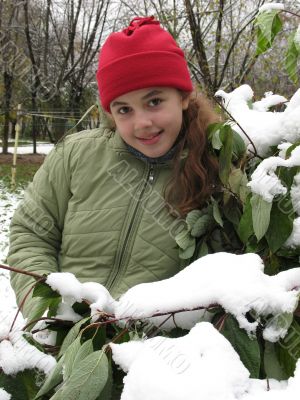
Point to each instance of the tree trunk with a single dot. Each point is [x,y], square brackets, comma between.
[8,79]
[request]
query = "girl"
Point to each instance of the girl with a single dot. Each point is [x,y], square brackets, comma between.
[107,203]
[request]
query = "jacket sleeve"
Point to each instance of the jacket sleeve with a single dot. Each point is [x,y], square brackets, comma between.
[37,224]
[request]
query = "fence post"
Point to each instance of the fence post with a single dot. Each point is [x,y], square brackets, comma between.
[14,164]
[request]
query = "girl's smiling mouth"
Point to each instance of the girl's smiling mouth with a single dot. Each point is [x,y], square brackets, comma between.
[151,139]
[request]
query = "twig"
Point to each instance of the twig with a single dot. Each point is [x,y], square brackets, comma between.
[23,302]
[245,133]
[47,319]
[290,12]
[20,271]
[221,322]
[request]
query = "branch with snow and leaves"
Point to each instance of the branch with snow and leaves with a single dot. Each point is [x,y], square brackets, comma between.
[226,326]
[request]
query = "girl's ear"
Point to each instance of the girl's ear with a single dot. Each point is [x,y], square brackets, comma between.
[185,100]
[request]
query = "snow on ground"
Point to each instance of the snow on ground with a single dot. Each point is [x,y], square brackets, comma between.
[8,203]
[42,148]
[15,352]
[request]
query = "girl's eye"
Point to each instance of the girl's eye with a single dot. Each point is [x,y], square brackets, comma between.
[154,102]
[123,110]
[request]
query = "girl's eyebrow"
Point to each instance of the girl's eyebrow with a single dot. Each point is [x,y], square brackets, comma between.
[152,93]
[148,95]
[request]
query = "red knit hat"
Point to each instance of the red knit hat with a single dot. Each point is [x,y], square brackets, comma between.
[140,56]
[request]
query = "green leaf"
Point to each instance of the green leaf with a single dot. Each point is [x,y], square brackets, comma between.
[225,153]
[201,225]
[52,380]
[232,212]
[247,349]
[106,393]
[216,212]
[238,183]
[262,43]
[189,251]
[281,223]
[288,349]
[272,366]
[296,38]
[38,311]
[261,210]
[85,350]
[214,135]
[192,217]
[291,59]
[88,379]
[238,145]
[184,240]
[287,175]
[268,25]
[21,386]
[70,356]
[203,251]
[72,335]
[291,148]
[245,228]
[41,289]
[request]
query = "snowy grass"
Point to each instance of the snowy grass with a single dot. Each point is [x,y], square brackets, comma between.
[9,200]
[8,203]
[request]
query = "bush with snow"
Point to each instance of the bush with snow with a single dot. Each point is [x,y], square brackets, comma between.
[228,325]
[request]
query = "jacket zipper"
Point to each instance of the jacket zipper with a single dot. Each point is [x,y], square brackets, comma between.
[118,268]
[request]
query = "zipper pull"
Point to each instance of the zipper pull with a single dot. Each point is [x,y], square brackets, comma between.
[151,176]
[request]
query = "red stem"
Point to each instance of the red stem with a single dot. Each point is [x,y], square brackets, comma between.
[20,271]
[23,302]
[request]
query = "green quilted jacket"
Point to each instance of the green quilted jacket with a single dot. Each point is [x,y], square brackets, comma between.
[95,210]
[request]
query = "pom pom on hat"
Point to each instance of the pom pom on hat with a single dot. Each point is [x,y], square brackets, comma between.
[140,56]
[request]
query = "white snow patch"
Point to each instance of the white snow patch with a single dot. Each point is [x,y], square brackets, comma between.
[73,291]
[265,182]
[294,240]
[270,100]
[4,395]
[283,147]
[200,365]
[41,148]
[67,285]
[264,128]
[236,282]
[271,6]
[16,355]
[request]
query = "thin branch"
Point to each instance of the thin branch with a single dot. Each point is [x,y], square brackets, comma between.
[23,302]
[290,12]
[20,271]
[234,120]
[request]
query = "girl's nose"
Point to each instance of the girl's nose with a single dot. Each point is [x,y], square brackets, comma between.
[142,120]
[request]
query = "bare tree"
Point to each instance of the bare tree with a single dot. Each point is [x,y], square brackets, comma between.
[9,36]
[71,35]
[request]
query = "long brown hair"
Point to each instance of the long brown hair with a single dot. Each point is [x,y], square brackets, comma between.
[196,175]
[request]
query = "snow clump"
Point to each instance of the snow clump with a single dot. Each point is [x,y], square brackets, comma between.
[4,395]
[265,182]
[188,368]
[183,368]
[263,128]
[236,282]
[271,6]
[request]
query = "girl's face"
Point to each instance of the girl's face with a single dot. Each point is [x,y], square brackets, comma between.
[149,119]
